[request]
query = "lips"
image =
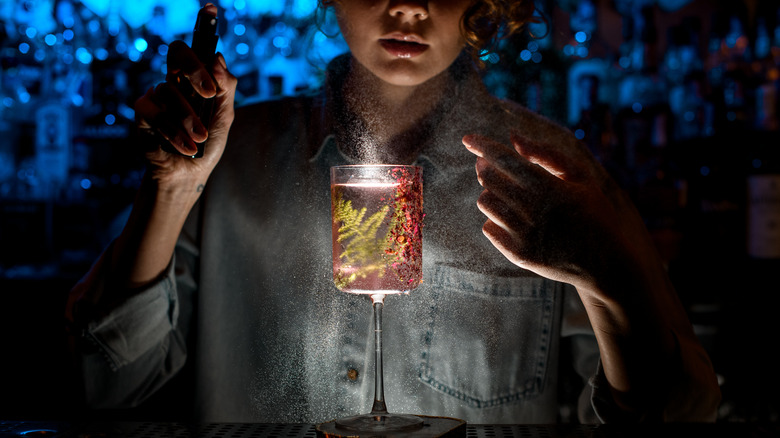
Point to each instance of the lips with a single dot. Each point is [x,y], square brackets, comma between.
[403,47]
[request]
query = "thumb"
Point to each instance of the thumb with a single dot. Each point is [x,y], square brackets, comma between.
[550,158]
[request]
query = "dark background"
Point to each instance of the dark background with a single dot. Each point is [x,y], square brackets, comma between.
[678,99]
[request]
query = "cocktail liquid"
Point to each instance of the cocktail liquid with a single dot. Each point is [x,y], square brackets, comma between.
[377,236]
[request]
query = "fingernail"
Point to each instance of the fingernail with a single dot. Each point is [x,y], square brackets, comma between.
[190,149]
[200,130]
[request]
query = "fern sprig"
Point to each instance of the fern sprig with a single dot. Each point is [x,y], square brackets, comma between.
[361,246]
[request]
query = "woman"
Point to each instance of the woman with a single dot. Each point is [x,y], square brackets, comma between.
[222,273]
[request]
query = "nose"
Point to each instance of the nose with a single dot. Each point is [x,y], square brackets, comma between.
[407,9]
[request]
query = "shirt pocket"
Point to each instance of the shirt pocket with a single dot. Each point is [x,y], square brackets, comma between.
[488,337]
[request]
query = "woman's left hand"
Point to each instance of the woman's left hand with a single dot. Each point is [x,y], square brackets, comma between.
[554,211]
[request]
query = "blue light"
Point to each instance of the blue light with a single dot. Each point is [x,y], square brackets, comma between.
[67,34]
[40,55]
[141,45]
[162,49]
[126,111]
[302,8]
[67,58]
[580,134]
[37,432]
[101,54]
[533,46]
[50,39]
[242,48]
[568,50]
[581,37]
[704,170]
[624,62]
[83,55]
[757,163]
[525,55]
[281,42]
[24,48]
[93,26]
[582,51]
[31,32]
[536,57]
[637,107]
[239,5]
[134,55]
[110,119]
[77,100]
[85,184]
[121,47]
[239,29]
[731,116]
[8,102]
[24,97]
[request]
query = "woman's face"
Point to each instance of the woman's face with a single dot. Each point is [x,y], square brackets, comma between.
[403,42]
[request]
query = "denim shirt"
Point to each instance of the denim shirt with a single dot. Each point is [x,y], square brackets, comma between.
[248,301]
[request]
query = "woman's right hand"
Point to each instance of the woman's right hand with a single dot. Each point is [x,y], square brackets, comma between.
[164,115]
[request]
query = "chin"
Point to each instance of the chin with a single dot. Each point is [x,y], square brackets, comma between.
[406,76]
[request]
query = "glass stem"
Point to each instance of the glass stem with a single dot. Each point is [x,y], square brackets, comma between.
[379,407]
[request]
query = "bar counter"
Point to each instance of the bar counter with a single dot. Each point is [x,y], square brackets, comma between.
[18,429]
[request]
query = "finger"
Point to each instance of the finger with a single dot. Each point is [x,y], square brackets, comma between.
[185,65]
[209,8]
[179,110]
[168,113]
[512,220]
[506,160]
[556,160]
[511,246]
[226,93]
[226,82]
[516,196]
[153,124]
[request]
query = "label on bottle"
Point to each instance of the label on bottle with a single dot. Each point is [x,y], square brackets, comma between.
[763,230]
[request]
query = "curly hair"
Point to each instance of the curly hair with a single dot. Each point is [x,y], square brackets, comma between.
[486,22]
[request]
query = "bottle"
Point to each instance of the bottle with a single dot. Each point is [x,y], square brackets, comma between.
[763,193]
[643,115]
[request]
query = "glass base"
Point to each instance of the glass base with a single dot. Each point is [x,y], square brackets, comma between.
[373,423]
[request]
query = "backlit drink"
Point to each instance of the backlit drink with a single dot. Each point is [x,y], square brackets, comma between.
[377,228]
[377,250]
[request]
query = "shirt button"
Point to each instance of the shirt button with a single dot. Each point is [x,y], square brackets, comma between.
[352,374]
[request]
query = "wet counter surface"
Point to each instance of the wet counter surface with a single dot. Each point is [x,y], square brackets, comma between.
[251,430]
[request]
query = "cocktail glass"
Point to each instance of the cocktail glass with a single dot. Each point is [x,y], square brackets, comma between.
[377,213]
